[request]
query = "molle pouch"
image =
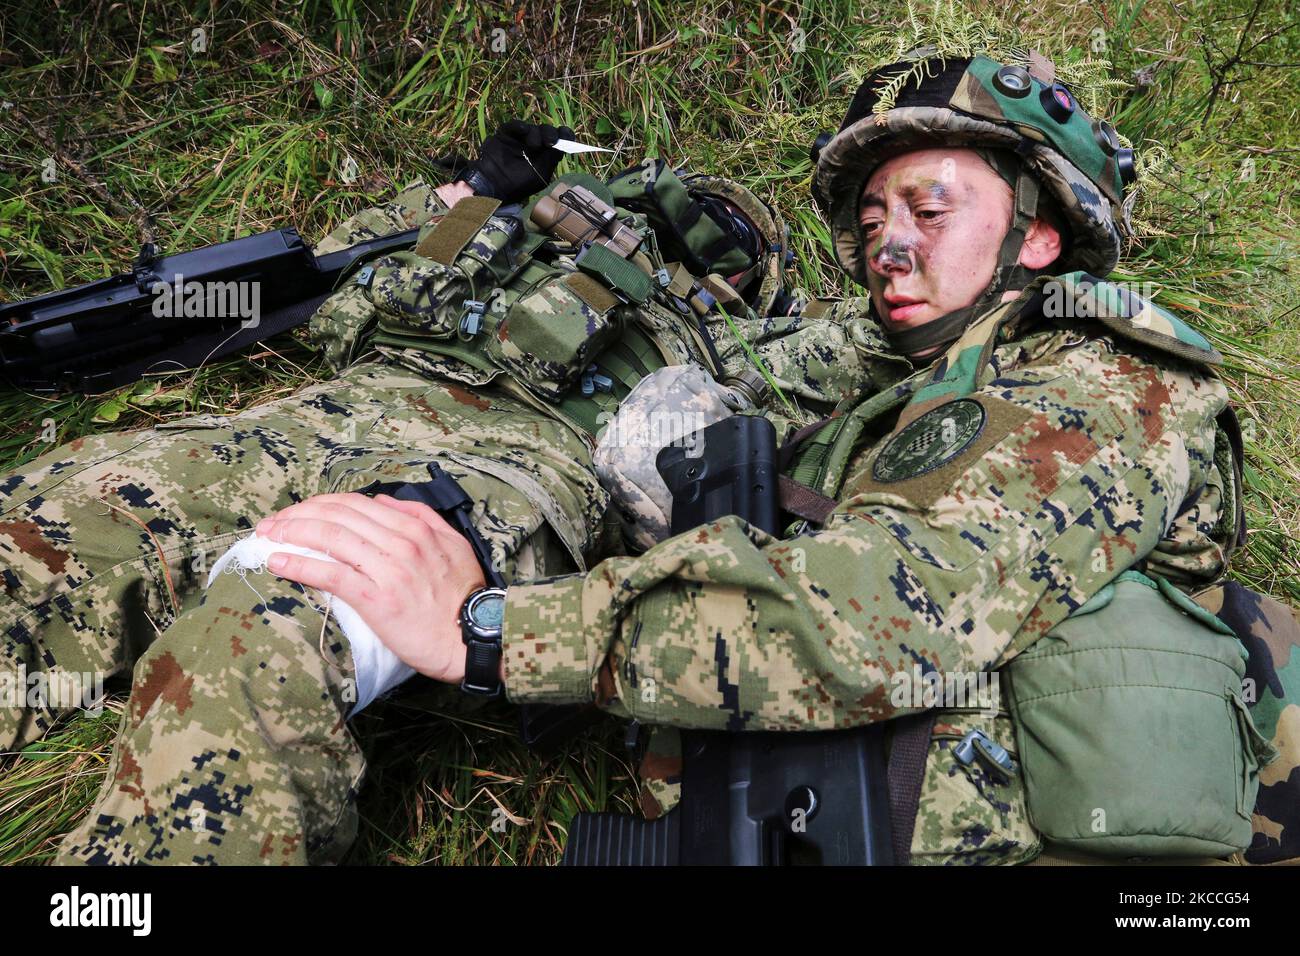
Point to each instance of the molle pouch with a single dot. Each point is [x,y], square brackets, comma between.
[972,808]
[552,333]
[459,259]
[1133,737]
[414,296]
[342,325]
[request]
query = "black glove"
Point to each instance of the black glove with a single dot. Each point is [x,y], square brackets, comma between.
[516,161]
[453,164]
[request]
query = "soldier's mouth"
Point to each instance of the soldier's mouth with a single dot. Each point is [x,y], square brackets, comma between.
[898,313]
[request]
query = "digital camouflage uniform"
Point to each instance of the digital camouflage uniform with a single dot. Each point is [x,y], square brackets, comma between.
[234,747]
[1098,452]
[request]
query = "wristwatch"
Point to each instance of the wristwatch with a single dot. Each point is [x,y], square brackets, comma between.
[480,626]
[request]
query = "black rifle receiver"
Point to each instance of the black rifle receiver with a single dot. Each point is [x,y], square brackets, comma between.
[753,798]
[108,333]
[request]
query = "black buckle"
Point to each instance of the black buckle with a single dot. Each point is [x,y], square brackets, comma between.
[444,495]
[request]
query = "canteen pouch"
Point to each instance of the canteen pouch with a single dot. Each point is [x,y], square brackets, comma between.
[1131,731]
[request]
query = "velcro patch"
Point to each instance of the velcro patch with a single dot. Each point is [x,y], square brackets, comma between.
[444,242]
[590,291]
[930,441]
[922,460]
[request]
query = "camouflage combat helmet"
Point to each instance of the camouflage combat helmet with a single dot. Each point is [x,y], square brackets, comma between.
[980,103]
[764,281]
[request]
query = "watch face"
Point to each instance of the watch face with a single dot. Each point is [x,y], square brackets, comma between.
[488,611]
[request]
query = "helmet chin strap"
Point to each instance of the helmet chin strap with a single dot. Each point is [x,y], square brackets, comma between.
[1007,274]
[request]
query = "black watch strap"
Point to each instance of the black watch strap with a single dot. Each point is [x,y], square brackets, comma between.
[482,667]
[444,495]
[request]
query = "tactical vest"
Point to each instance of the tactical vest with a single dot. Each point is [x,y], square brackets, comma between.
[1063,752]
[566,303]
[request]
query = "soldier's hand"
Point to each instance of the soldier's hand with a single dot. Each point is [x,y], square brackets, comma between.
[518,159]
[400,566]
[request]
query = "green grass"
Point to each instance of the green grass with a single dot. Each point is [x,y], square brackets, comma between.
[252,133]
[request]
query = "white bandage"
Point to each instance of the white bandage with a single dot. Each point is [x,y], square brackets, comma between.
[378,670]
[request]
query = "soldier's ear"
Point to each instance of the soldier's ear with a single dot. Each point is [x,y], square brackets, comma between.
[1042,245]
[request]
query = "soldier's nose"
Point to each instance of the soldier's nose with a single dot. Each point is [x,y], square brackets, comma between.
[892,257]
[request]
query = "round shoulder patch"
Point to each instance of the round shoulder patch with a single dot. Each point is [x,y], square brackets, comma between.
[930,442]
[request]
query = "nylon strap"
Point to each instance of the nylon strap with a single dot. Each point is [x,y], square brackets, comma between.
[802,501]
[707,338]
[905,774]
[616,272]
[723,291]
[585,410]
[683,224]
[797,494]
[629,357]
[965,367]
[789,446]
[840,437]
[623,362]
[941,331]
[811,460]
[637,341]
[616,367]
[681,280]
[470,355]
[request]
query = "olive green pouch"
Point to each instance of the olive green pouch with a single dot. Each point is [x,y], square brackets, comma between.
[1132,735]
[552,333]
[684,231]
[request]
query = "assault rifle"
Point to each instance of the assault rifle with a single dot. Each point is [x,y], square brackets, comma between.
[753,798]
[173,312]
